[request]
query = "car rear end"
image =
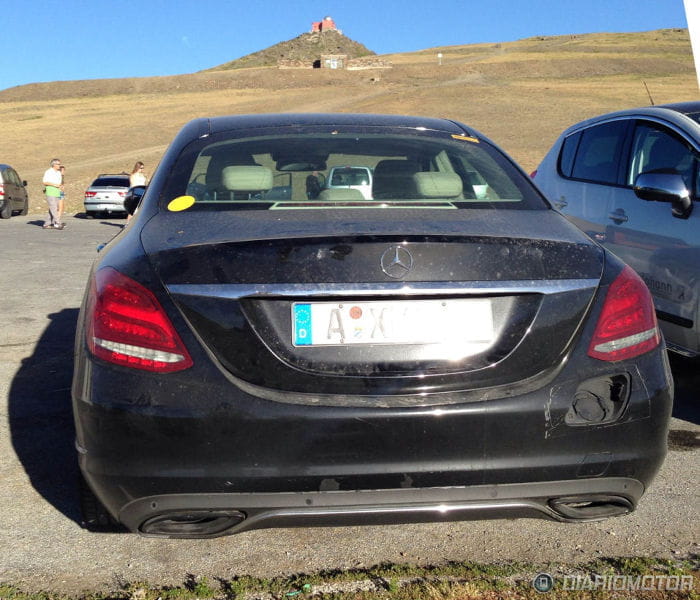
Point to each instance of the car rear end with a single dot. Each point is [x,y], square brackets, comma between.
[106,195]
[245,363]
[5,197]
[13,193]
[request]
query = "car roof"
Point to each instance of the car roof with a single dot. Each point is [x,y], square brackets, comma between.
[676,114]
[686,108]
[111,176]
[226,123]
[341,167]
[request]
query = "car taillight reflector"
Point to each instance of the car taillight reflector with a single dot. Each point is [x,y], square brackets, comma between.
[90,194]
[533,174]
[126,325]
[627,325]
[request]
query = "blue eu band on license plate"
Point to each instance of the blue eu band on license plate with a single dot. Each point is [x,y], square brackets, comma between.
[464,321]
[302,324]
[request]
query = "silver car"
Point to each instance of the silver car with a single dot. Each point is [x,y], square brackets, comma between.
[630,180]
[106,195]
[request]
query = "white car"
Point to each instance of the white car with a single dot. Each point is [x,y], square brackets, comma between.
[106,195]
[358,178]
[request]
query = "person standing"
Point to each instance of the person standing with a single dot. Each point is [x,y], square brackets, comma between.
[53,185]
[137,177]
[313,186]
[62,197]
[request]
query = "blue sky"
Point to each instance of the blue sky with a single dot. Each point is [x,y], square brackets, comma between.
[88,39]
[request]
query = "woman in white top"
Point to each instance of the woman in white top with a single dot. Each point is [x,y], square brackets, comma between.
[137,176]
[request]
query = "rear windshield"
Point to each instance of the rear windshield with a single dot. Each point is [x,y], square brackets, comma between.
[312,171]
[111,182]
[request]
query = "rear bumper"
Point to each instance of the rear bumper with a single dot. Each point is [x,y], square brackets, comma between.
[199,457]
[211,515]
[104,207]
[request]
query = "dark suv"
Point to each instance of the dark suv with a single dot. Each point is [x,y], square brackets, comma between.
[106,194]
[13,193]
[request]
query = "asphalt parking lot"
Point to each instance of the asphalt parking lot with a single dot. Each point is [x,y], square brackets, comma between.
[44,548]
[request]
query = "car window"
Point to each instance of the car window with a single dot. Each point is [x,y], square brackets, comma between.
[599,151]
[350,176]
[654,148]
[417,170]
[11,177]
[111,182]
[568,153]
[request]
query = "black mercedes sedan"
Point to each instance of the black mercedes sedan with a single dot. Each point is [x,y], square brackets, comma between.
[449,348]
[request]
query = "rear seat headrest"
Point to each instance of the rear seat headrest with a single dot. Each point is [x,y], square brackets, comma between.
[393,179]
[437,185]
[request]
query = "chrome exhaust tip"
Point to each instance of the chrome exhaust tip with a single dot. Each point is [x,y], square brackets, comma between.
[191,523]
[591,507]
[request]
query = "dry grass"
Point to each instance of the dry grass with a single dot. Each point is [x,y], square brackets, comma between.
[521,94]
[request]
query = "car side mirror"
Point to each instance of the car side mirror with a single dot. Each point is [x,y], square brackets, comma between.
[665,187]
[133,198]
[24,183]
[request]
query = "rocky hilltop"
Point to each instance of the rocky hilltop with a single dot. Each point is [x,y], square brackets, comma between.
[304,50]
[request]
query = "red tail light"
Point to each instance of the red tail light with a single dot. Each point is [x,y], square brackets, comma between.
[627,324]
[90,194]
[532,175]
[126,325]
[2,189]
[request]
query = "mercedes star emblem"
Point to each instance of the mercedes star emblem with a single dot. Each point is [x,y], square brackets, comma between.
[397,262]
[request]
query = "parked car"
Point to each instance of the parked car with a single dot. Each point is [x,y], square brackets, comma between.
[106,195]
[444,353]
[13,193]
[630,180]
[351,178]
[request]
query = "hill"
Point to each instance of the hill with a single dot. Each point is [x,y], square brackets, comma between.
[521,94]
[304,49]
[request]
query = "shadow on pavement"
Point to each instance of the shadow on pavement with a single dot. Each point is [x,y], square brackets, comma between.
[41,419]
[118,225]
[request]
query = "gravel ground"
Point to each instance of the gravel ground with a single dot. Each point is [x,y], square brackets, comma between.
[44,548]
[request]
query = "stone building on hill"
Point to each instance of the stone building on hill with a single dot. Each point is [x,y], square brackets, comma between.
[326,25]
[325,47]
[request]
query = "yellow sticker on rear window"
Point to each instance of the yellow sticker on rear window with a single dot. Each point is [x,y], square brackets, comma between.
[466,138]
[181,203]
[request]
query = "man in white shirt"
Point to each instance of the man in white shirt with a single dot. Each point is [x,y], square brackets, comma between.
[53,186]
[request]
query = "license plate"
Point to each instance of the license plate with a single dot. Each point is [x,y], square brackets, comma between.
[462,321]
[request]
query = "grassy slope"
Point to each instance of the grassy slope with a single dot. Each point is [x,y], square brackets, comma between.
[521,94]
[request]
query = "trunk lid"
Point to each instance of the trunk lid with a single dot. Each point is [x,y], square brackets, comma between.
[507,305]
